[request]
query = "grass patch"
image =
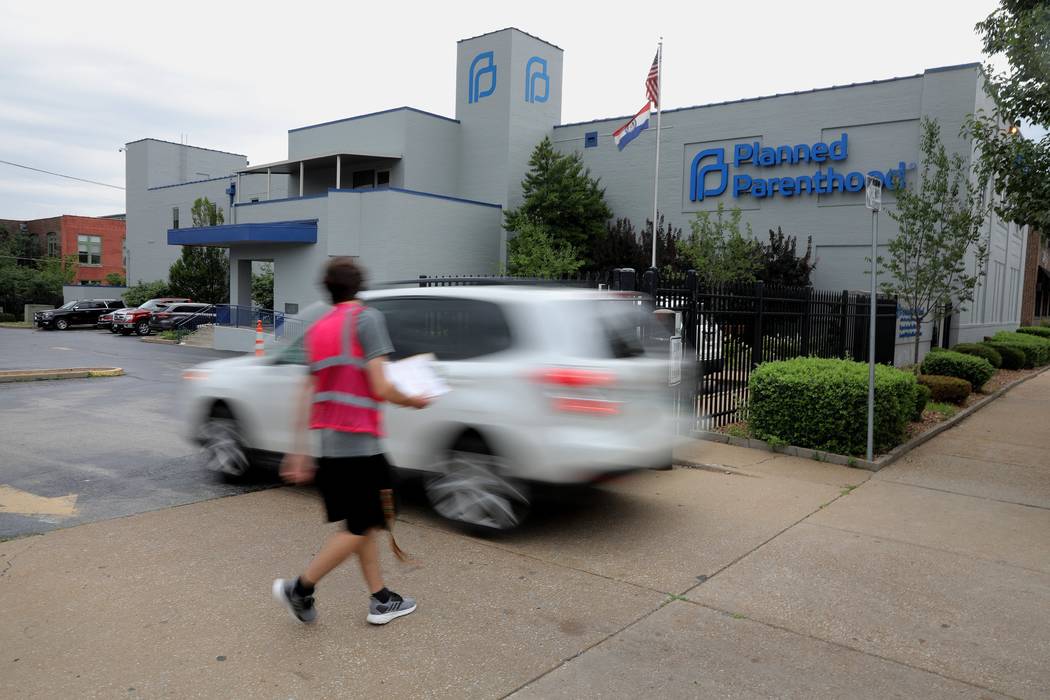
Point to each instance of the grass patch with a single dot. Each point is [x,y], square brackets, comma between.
[15,324]
[170,335]
[946,410]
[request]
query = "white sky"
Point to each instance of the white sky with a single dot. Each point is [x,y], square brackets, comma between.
[80,79]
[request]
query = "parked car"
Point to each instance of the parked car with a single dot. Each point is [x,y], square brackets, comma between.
[80,312]
[548,386]
[185,316]
[105,321]
[128,321]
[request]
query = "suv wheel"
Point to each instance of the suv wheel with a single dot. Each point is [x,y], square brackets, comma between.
[142,328]
[470,488]
[224,452]
[61,324]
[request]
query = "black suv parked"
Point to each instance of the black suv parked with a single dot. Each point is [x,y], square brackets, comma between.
[81,312]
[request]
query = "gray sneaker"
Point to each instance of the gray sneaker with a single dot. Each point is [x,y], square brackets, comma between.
[301,607]
[382,613]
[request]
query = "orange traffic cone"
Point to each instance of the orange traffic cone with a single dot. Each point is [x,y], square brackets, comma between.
[258,339]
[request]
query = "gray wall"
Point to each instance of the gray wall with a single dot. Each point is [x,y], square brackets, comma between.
[883,123]
[71,292]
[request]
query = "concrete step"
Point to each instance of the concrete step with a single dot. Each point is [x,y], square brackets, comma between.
[203,337]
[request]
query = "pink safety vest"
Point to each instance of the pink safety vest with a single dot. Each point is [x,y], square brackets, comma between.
[343,398]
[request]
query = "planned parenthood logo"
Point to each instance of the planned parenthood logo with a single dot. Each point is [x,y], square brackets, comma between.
[709,172]
[483,65]
[535,72]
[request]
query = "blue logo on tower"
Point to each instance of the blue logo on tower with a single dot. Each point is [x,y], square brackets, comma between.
[536,71]
[483,65]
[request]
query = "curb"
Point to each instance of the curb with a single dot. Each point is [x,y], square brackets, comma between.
[159,341]
[30,375]
[887,459]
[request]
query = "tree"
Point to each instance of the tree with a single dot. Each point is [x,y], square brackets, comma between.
[115,279]
[559,194]
[780,262]
[202,273]
[533,252]
[623,246]
[262,286]
[1019,31]
[940,222]
[144,291]
[26,278]
[719,250]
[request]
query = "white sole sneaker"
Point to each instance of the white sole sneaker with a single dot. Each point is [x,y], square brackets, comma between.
[382,619]
[278,594]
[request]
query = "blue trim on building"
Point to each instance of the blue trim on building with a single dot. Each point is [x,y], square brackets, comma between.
[780,94]
[303,231]
[191,182]
[199,148]
[418,193]
[375,114]
[282,199]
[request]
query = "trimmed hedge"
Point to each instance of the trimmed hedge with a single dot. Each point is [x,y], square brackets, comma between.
[949,363]
[922,397]
[990,354]
[1036,350]
[1011,356]
[1040,331]
[946,389]
[822,404]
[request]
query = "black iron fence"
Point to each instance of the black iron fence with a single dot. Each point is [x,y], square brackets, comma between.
[729,329]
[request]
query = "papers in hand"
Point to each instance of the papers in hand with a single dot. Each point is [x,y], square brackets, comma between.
[415,376]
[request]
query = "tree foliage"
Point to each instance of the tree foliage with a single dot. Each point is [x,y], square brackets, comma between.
[1019,31]
[941,224]
[534,252]
[27,278]
[262,286]
[115,279]
[781,264]
[144,291]
[722,248]
[623,246]
[560,195]
[202,273]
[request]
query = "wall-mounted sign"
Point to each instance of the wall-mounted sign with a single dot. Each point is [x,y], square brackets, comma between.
[536,73]
[711,174]
[907,322]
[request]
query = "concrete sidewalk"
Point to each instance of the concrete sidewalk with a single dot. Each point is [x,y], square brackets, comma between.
[761,576]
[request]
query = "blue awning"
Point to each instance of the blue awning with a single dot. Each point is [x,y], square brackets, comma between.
[229,235]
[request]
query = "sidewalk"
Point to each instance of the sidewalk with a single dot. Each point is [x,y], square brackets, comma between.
[762,575]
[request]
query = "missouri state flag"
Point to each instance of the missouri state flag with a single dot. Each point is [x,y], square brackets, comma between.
[629,131]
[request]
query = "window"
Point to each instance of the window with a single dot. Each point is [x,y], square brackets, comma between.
[89,250]
[290,308]
[53,249]
[174,217]
[452,329]
[590,139]
[364,179]
[383,179]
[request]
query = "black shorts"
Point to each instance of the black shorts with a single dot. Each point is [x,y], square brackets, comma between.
[350,488]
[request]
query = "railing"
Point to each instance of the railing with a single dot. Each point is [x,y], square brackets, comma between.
[283,326]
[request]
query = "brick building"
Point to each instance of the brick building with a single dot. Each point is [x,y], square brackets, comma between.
[96,242]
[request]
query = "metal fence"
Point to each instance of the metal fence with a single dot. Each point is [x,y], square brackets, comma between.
[729,329]
[281,325]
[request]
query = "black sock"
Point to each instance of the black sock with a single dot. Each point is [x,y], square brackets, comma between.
[301,589]
[382,595]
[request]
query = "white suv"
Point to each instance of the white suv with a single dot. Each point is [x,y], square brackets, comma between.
[547,385]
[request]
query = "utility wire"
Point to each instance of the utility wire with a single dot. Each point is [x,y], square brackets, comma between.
[68,177]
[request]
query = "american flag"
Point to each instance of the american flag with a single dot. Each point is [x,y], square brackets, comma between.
[652,82]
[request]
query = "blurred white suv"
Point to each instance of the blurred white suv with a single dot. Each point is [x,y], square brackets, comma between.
[550,386]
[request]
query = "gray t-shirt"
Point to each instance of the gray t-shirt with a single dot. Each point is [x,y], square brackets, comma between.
[375,342]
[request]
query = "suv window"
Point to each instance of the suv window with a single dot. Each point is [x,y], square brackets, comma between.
[91,305]
[452,329]
[115,304]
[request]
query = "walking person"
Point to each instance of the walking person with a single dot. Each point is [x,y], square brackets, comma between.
[347,350]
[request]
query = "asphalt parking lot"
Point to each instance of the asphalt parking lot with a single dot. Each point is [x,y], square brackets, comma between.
[109,447]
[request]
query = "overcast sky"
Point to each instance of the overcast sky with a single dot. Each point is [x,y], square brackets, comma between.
[80,79]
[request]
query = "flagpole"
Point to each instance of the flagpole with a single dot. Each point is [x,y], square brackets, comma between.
[659,109]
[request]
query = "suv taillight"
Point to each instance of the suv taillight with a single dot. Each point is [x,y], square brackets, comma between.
[565,376]
[563,380]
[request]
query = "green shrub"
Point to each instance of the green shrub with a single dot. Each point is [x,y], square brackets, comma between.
[1036,350]
[922,397]
[1012,357]
[144,291]
[946,389]
[8,318]
[948,363]
[1039,331]
[822,404]
[979,350]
